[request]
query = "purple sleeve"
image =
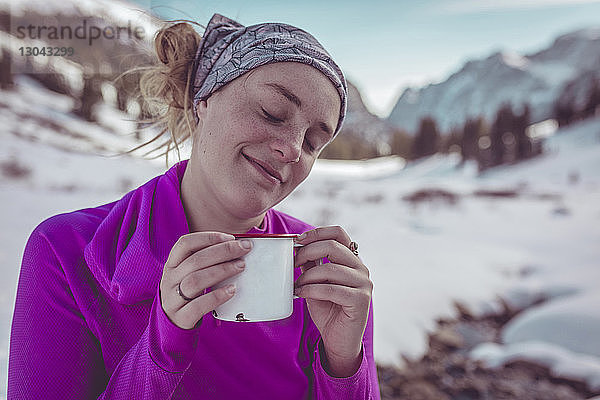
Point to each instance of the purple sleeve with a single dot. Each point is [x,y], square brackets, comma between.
[362,385]
[54,355]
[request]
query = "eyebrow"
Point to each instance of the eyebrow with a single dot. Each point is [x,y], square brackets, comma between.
[296,101]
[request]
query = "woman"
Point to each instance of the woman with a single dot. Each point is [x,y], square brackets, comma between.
[113,302]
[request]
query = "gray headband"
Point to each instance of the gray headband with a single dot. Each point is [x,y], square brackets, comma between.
[228,50]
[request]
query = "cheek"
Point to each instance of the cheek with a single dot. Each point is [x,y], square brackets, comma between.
[253,128]
[242,128]
[214,140]
[301,171]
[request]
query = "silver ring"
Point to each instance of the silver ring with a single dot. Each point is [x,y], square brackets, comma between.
[353,248]
[180,293]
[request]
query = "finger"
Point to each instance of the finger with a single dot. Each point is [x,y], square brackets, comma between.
[310,264]
[334,232]
[188,244]
[189,315]
[342,295]
[194,284]
[335,252]
[335,274]
[209,256]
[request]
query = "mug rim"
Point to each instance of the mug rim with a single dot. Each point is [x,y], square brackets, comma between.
[265,235]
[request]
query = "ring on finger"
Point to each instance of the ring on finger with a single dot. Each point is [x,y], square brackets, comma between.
[180,293]
[353,246]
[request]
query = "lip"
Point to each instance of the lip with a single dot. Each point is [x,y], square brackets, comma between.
[265,169]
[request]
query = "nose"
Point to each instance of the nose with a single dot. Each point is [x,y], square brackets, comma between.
[288,146]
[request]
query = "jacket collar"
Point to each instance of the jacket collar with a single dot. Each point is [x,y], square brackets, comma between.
[130,247]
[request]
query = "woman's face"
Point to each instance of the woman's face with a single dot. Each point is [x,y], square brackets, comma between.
[259,136]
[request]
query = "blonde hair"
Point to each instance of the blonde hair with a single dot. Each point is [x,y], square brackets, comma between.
[165,88]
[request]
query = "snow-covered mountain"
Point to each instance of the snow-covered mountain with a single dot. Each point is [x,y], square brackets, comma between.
[480,87]
[361,123]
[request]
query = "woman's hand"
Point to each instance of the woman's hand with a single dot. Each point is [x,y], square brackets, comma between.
[197,261]
[338,295]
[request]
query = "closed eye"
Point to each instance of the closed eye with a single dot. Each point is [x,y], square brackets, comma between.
[270,117]
[278,120]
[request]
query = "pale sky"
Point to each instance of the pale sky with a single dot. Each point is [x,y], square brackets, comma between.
[383,45]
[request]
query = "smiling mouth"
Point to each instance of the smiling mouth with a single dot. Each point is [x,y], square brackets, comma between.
[269,173]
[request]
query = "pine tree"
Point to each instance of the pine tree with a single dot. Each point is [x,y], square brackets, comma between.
[503,124]
[523,145]
[90,95]
[6,80]
[426,141]
[593,100]
[453,140]
[564,113]
[470,139]
[401,143]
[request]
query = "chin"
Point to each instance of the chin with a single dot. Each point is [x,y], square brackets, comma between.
[247,205]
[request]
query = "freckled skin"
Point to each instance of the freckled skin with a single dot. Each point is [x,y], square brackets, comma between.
[221,190]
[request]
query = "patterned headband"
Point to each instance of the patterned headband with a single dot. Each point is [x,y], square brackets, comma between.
[228,50]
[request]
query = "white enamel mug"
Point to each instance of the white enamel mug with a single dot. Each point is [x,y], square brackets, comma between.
[265,289]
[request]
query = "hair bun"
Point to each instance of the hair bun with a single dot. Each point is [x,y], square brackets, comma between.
[164,87]
[176,43]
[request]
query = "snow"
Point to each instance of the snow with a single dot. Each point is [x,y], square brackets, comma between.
[515,60]
[70,132]
[540,244]
[562,363]
[553,71]
[434,254]
[69,70]
[363,169]
[567,322]
[542,129]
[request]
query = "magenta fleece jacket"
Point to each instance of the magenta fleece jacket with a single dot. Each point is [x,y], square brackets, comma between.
[88,323]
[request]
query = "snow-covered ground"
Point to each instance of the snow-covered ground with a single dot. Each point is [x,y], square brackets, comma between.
[423,257]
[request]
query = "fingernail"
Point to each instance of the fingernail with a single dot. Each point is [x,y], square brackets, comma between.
[240,264]
[246,244]
[301,237]
[230,289]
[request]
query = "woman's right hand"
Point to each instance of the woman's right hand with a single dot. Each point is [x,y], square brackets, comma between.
[200,260]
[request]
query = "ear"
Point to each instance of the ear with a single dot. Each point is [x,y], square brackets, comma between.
[201,109]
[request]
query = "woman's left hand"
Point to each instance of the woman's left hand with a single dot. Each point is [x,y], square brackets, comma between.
[338,295]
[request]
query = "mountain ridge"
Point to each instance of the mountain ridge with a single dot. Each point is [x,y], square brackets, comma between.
[481,86]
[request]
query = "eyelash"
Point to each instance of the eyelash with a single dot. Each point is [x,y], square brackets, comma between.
[270,117]
[277,120]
